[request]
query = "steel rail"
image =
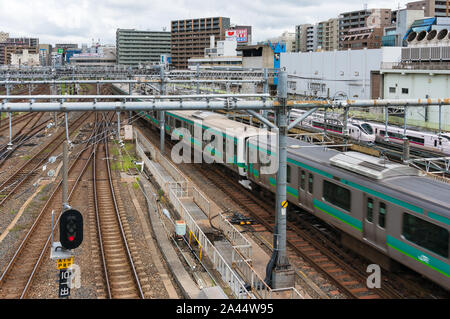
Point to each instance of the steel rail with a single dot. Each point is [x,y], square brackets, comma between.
[39,218]
[136,277]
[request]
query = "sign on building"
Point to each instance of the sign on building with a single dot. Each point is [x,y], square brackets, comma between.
[240,35]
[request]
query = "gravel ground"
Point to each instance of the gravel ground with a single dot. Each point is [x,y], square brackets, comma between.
[45,284]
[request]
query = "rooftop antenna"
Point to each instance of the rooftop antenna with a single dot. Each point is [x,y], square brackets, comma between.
[365,6]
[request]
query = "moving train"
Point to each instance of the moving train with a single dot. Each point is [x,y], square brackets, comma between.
[384,210]
[358,130]
[370,132]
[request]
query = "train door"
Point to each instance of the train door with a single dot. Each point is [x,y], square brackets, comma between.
[309,191]
[304,198]
[374,223]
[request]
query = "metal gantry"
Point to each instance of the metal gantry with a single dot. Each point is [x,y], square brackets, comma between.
[279,271]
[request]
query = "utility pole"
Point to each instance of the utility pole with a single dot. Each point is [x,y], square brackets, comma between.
[162,113]
[282,273]
[65,203]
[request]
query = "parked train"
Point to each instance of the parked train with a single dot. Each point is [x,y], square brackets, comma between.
[367,131]
[383,207]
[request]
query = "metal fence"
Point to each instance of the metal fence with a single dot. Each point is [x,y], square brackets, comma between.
[242,279]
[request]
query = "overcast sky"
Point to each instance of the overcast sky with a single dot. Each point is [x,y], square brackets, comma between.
[80,21]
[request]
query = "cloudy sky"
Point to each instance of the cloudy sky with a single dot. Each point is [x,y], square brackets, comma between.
[80,21]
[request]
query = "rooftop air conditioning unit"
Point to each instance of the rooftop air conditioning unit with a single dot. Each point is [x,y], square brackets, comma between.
[412,39]
[431,39]
[421,38]
[443,38]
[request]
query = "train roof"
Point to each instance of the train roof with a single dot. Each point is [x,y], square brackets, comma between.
[373,172]
[221,122]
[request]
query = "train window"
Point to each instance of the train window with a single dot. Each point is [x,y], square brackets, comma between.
[382,215]
[337,195]
[302,180]
[288,174]
[310,183]
[177,124]
[369,210]
[426,234]
[367,128]
[391,89]
[405,91]
[416,139]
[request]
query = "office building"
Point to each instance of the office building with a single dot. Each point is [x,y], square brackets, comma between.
[190,37]
[135,47]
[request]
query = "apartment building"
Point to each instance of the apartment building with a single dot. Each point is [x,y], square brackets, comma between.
[367,18]
[134,47]
[190,37]
[432,8]
[328,35]
[305,37]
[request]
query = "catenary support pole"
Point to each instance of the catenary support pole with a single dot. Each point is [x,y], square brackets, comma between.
[162,113]
[282,272]
[405,138]
[65,175]
[118,128]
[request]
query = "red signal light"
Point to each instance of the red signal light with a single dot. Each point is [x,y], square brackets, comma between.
[71,238]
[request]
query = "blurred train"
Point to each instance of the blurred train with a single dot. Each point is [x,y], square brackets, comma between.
[370,132]
[384,210]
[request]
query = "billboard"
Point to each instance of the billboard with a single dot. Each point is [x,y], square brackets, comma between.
[240,35]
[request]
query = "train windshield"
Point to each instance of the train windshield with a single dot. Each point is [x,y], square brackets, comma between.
[367,128]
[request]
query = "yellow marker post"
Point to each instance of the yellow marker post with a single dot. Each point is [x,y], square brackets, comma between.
[284,205]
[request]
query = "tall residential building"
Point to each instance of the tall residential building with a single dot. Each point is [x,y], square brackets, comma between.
[328,35]
[190,37]
[305,37]
[432,8]
[134,46]
[372,18]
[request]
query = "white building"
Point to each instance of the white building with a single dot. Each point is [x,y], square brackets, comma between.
[105,56]
[224,55]
[328,74]
[419,84]
[25,58]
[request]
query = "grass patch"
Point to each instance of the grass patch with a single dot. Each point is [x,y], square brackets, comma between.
[17,228]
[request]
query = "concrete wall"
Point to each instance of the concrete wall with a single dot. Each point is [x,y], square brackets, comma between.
[420,85]
[324,74]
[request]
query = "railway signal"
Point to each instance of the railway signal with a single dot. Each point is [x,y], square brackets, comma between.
[71,229]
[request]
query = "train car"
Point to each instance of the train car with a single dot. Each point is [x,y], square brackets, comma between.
[389,207]
[422,140]
[378,206]
[358,130]
[205,128]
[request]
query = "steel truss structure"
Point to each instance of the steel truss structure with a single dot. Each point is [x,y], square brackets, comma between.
[280,273]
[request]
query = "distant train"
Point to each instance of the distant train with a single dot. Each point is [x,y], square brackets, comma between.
[369,132]
[390,210]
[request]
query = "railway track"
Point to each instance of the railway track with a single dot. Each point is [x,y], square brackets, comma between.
[22,268]
[323,255]
[123,277]
[24,174]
